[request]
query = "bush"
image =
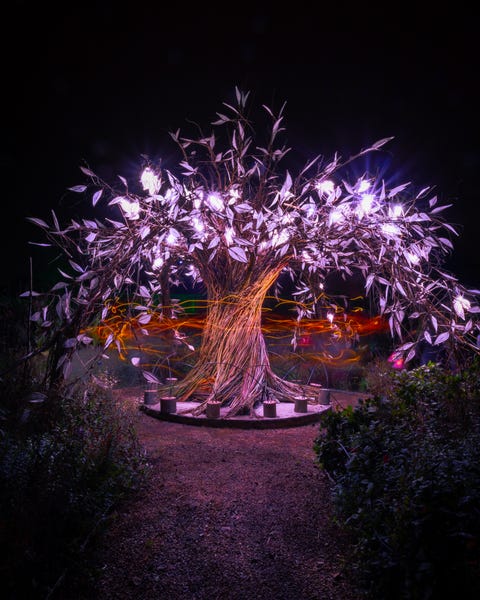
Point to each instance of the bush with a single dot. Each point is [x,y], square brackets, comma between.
[63,466]
[406,475]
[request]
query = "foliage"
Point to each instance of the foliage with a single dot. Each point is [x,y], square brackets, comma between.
[406,484]
[231,217]
[66,459]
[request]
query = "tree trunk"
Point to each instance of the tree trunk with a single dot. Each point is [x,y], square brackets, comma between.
[233,365]
[165,292]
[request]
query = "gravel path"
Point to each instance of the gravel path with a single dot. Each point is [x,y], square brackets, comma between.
[227,514]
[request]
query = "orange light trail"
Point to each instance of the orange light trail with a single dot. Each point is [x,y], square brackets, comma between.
[318,341]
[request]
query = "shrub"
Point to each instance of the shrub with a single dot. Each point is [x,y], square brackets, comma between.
[406,484]
[63,466]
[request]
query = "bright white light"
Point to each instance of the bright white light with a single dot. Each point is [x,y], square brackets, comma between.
[336,216]
[279,238]
[150,181]
[366,203]
[396,211]
[413,259]
[391,230]
[363,186]
[198,225]
[130,209]
[229,231]
[460,305]
[172,237]
[234,194]
[215,202]
[262,246]
[330,316]
[325,187]
[158,263]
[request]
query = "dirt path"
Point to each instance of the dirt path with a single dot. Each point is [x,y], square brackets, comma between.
[227,514]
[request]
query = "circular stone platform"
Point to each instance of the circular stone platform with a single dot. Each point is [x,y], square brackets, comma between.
[286,415]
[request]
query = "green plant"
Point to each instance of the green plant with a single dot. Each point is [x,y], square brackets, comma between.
[406,484]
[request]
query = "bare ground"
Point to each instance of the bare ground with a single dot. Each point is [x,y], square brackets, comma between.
[229,514]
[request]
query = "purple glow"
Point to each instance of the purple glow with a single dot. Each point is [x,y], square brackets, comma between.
[366,203]
[229,233]
[215,202]
[150,181]
[391,230]
[363,186]
[396,211]
[131,210]
[325,187]
[460,305]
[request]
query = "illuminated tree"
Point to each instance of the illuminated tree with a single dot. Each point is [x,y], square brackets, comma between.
[230,217]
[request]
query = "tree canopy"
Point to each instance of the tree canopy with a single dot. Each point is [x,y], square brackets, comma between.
[230,217]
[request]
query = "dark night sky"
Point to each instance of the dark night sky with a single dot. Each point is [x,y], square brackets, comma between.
[96,82]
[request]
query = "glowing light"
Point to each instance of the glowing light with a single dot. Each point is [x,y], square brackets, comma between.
[396,211]
[158,263]
[172,237]
[279,239]
[397,362]
[262,246]
[131,210]
[413,259]
[198,225]
[215,202]
[276,328]
[363,186]
[325,187]
[229,232]
[336,216]
[234,194]
[150,181]
[366,203]
[460,305]
[391,230]
[330,316]
[305,340]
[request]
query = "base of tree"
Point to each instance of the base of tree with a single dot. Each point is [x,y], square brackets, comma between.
[278,389]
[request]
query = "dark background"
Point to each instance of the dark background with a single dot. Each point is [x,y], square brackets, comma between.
[102,83]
